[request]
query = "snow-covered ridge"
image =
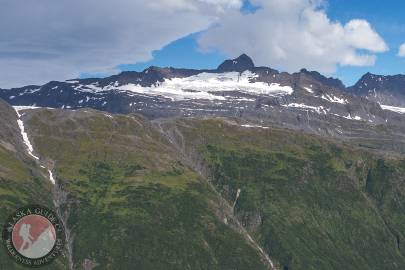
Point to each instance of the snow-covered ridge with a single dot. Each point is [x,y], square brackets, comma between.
[204,86]
[200,86]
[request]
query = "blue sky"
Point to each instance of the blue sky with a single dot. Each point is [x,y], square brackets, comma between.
[386,17]
[185,53]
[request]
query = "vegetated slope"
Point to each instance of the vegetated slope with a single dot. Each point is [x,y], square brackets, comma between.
[21,182]
[132,199]
[312,203]
[130,203]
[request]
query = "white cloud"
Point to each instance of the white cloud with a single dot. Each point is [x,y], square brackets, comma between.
[401,51]
[360,34]
[291,34]
[55,40]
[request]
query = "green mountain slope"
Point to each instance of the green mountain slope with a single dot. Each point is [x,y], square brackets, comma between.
[129,202]
[134,194]
[313,204]
[21,182]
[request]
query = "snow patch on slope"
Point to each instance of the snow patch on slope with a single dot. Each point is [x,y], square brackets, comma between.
[319,109]
[254,126]
[30,148]
[350,117]
[200,86]
[334,99]
[393,109]
[51,177]
[20,108]
[24,135]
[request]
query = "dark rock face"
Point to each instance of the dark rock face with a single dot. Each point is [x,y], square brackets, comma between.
[239,64]
[369,81]
[332,82]
[387,90]
[250,220]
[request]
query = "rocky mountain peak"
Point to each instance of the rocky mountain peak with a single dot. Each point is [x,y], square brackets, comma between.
[370,82]
[240,64]
[332,82]
[370,77]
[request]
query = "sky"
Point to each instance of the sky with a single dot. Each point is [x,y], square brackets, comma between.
[46,40]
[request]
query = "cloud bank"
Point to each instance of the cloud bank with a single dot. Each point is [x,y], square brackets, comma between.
[292,34]
[46,40]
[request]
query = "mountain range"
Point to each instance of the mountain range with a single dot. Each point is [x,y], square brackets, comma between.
[240,167]
[237,88]
[234,84]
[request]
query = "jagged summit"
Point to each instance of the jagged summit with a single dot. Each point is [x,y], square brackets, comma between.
[370,82]
[240,64]
[324,80]
[384,89]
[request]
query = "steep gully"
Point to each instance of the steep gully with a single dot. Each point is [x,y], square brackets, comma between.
[58,194]
[226,211]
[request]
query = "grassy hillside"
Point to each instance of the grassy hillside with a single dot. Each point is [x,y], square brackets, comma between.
[21,182]
[132,198]
[132,204]
[313,204]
